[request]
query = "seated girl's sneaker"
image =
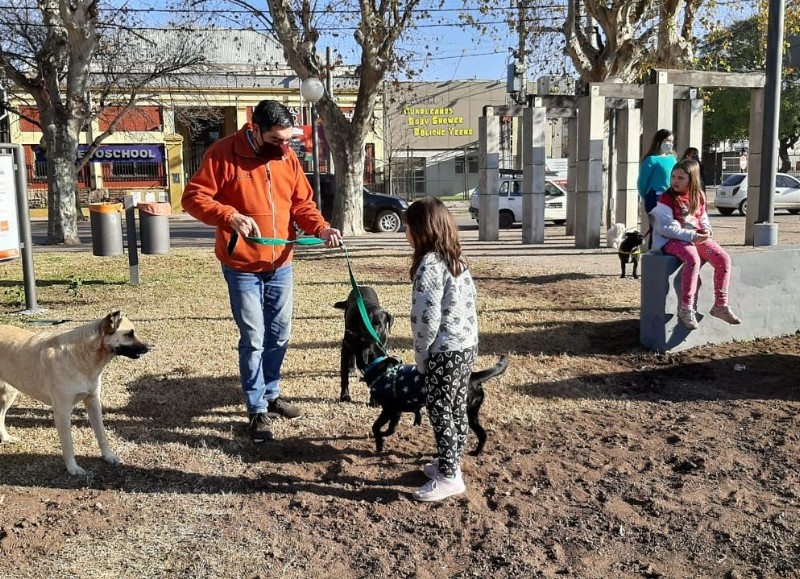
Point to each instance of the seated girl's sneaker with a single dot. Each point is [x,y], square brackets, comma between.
[687,318]
[724,313]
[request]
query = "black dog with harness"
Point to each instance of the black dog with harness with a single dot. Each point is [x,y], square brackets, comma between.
[398,388]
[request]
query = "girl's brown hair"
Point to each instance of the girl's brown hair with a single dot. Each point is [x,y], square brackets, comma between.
[655,144]
[433,229]
[696,196]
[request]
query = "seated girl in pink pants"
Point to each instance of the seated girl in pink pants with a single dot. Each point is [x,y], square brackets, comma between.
[682,229]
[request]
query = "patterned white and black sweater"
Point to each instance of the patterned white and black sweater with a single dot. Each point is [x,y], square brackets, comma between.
[443,315]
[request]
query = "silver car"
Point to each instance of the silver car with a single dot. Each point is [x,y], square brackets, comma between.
[732,194]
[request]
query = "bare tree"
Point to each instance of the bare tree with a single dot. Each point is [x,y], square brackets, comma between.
[624,37]
[57,52]
[377,26]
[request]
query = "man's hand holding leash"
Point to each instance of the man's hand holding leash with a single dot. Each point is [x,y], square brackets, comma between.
[245,226]
[331,236]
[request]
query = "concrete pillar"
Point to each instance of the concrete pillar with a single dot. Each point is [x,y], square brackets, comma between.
[488,175]
[657,108]
[572,172]
[534,122]
[589,189]
[689,123]
[629,121]
[754,156]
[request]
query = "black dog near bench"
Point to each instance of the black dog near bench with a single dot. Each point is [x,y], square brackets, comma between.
[629,250]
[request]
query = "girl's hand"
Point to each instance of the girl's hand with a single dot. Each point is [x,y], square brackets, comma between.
[702,237]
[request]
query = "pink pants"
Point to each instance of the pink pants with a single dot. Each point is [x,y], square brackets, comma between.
[693,257]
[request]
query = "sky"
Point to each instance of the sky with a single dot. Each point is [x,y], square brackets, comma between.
[457,51]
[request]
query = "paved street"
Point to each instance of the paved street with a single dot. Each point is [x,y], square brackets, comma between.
[187,232]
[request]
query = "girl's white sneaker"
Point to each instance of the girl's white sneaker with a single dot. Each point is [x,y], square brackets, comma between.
[439,488]
[431,469]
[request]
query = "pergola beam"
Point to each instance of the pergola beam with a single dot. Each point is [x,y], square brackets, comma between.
[711,78]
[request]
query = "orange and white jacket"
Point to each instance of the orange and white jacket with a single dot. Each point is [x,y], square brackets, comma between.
[233,178]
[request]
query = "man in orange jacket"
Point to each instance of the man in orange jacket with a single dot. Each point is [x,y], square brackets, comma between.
[251,184]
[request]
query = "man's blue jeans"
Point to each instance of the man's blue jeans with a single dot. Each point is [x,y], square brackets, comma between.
[261,304]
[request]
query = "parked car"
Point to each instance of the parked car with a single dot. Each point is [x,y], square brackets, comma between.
[382,213]
[510,202]
[732,194]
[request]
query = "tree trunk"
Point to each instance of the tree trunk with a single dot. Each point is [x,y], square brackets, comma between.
[783,154]
[348,206]
[62,149]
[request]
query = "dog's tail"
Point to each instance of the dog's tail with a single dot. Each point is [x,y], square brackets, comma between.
[496,370]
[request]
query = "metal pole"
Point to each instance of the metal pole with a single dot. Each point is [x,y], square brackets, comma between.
[130,229]
[315,154]
[23,216]
[329,89]
[765,231]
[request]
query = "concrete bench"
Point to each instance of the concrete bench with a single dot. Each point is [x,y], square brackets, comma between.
[763,292]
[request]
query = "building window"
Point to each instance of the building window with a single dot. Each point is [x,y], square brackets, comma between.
[133,171]
[408,177]
[471,164]
[369,164]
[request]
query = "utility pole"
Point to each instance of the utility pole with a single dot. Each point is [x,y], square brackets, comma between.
[521,72]
[765,230]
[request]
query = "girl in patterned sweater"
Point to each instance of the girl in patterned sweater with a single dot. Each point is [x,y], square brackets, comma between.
[444,323]
[682,229]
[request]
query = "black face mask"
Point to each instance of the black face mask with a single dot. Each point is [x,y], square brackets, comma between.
[273,151]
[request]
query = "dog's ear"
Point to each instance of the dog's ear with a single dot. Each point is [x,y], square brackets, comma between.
[340,305]
[388,321]
[111,322]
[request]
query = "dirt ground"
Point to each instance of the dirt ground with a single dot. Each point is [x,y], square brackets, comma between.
[603,459]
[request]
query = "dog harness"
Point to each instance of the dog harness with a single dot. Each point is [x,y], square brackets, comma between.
[394,384]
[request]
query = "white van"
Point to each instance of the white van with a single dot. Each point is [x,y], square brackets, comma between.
[510,202]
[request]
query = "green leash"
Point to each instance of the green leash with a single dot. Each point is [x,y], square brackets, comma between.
[360,303]
[276,241]
[317,241]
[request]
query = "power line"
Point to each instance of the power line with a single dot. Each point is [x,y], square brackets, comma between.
[104,25]
[210,11]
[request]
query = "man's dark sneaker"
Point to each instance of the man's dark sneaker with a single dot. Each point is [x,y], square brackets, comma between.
[280,408]
[260,429]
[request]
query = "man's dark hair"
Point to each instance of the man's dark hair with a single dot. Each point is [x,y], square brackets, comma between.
[268,114]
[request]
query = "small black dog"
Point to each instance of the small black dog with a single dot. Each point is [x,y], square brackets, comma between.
[398,388]
[629,251]
[358,346]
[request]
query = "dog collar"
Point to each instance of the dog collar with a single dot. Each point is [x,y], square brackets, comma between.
[374,363]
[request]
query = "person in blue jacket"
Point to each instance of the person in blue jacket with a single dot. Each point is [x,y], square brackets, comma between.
[656,168]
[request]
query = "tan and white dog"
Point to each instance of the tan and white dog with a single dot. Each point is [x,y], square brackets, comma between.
[62,369]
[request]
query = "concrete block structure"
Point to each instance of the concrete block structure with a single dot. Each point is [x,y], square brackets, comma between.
[763,292]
